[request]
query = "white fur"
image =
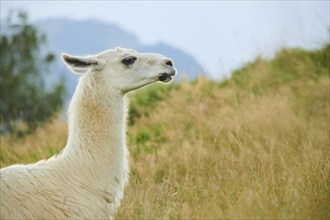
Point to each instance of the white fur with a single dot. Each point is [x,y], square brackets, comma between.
[87,179]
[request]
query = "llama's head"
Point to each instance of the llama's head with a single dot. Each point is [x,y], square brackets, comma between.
[123,69]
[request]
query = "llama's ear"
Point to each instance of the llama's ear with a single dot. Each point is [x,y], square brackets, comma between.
[79,64]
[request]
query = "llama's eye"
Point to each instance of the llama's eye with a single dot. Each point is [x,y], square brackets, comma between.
[129,60]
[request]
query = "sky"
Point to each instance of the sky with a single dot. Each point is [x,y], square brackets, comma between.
[221,35]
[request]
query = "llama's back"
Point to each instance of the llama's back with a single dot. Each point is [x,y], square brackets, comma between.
[23,195]
[34,192]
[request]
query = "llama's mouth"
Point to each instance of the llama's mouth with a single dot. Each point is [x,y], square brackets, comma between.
[165,77]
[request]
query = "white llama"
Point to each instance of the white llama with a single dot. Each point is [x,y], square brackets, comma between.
[87,179]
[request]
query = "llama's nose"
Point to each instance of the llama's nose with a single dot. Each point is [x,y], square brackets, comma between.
[168,62]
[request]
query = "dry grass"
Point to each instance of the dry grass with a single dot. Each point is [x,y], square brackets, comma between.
[45,142]
[241,149]
[221,156]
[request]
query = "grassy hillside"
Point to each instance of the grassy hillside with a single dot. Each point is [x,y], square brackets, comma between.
[254,146]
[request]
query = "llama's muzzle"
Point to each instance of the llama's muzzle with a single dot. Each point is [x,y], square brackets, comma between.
[166,77]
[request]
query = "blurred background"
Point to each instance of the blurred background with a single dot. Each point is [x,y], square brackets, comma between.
[250,101]
[203,37]
[208,38]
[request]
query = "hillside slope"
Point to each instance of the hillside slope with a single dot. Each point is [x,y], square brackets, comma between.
[254,146]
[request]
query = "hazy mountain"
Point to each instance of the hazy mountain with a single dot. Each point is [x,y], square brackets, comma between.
[89,37]
[85,37]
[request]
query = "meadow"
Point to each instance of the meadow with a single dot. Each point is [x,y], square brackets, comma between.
[255,146]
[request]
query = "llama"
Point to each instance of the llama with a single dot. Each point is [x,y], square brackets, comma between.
[87,179]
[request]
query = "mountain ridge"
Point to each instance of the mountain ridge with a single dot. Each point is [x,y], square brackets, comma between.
[83,37]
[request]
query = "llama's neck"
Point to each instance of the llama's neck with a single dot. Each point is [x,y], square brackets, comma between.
[97,126]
